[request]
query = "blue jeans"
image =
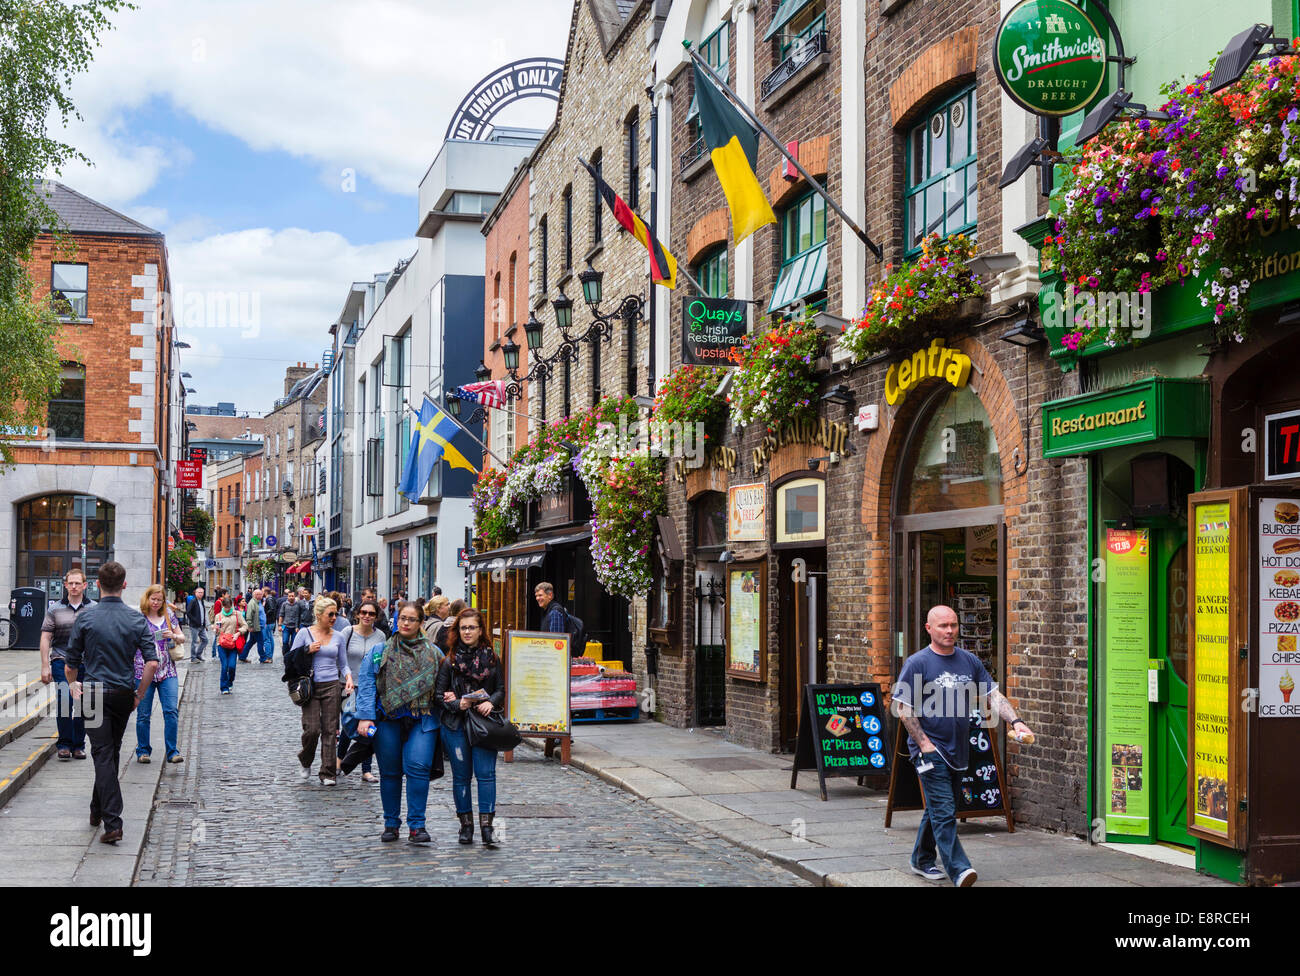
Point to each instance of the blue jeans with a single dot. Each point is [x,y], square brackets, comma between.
[229,656]
[72,731]
[464,760]
[250,642]
[198,642]
[412,758]
[265,645]
[939,821]
[286,640]
[169,694]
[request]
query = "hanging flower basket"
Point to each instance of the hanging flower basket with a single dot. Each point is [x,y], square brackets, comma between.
[777,380]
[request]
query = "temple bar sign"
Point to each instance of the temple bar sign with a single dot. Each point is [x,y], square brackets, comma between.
[529,78]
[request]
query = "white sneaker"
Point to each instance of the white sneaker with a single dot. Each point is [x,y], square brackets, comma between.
[967,878]
[328,781]
[304,772]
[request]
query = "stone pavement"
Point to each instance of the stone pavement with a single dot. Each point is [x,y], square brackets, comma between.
[744,796]
[240,815]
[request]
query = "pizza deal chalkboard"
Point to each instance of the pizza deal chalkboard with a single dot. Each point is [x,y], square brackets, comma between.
[713,330]
[841,733]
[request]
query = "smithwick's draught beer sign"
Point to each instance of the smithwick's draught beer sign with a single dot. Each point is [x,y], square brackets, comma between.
[1049,57]
[713,330]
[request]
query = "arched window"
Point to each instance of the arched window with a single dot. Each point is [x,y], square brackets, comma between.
[50,541]
[955,462]
[941,190]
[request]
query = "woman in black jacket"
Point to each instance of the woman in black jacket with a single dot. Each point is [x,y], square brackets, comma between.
[471,667]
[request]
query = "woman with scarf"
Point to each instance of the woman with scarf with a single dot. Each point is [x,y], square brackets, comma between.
[397,696]
[229,625]
[471,667]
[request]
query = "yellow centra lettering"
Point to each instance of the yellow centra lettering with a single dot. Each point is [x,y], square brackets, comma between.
[892,392]
[958,371]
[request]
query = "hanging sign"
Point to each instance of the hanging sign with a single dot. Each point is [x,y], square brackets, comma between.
[1049,57]
[1282,445]
[714,330]
[189,474]
[1128,736]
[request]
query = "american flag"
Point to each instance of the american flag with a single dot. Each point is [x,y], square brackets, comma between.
[320,423]
[491,393]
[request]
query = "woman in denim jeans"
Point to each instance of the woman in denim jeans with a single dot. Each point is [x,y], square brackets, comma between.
[471,666]
[396,694]
[165,681]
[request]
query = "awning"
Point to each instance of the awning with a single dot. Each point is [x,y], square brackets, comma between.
[302,566]
[522,555]
[803,276]
[784,14]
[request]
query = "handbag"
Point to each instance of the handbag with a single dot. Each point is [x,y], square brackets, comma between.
[301,689]
[239,642]
[226,640]
[492,731]
[176,648]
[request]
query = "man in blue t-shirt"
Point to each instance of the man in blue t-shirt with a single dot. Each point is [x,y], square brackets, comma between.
[938,688]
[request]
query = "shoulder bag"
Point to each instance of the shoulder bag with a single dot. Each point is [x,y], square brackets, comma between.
[301,689]
[176,648]
[492,731]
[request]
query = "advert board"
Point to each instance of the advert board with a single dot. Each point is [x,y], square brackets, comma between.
[715,330]
[537,683]
[1279,607]
[841,733]
[746,636]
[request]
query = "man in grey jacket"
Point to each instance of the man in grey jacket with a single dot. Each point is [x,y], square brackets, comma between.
[102,648]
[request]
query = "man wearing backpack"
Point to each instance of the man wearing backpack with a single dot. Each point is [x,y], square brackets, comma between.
[557,620]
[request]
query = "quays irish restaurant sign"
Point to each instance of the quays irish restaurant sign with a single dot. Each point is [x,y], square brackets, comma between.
[1049,57]
[713,331]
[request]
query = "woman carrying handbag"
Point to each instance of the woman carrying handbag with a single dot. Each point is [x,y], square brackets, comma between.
[396,694]
[320,713]
[470,677]
[231,629]
[171,648]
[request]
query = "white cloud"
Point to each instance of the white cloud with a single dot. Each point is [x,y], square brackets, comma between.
[365,84]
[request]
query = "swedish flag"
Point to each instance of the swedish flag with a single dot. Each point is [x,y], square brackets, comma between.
[430,441]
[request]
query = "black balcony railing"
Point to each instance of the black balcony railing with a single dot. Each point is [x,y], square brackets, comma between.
[803,52]
[696,150]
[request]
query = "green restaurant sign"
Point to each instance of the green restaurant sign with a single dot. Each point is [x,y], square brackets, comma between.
[1049,57]
[1134,414]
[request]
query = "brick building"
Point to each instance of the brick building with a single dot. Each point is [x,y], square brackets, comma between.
[506,308]
[226,553]
[111,435]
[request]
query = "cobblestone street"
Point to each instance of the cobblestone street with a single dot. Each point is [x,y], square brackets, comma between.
[237,813]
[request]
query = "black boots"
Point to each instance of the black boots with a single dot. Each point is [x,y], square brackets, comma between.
[485,826]
[466,827]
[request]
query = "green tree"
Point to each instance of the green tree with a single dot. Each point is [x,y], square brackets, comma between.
[44,44]
[202,527]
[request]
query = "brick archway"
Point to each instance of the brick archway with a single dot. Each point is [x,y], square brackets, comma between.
[939,67]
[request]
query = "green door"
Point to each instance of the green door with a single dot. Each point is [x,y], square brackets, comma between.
[1169,567]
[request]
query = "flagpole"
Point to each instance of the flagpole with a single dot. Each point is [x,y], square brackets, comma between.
[447,414]
[817,187]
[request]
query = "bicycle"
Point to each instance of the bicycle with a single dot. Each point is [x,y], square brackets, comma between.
[8,633]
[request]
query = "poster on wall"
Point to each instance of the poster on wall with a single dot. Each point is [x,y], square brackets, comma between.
[982,550]
[1279,607]
[1128,714]
[1211,623]
[747,513]
[537,682]
[746,596]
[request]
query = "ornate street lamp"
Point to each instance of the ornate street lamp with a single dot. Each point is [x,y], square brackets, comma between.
[591,285]
[483,373]
[533,332]
[563,312]
[511,353]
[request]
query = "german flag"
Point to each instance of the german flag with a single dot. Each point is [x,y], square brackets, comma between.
[733,147]
[663,266]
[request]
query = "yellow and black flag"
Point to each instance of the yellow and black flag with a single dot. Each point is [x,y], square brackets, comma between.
[733,147]
[663,266]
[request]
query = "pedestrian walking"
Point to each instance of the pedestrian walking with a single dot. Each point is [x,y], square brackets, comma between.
[196,618]
[56,629]
[166,630]
[229,625]
[342,621]
[287,619]
[953,682]
[436,613]
[101,651]
[398,695]
[320,716]
[382,620]
[470,668]
[253,642]
[358,639]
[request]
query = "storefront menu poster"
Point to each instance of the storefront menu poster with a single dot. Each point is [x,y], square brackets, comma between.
[745,586]
[1128,714]
[747,513]
[1211,624]
[537,682]
[1279,607]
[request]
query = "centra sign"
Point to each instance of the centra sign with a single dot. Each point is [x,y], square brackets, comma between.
[937,360]
[1049,57]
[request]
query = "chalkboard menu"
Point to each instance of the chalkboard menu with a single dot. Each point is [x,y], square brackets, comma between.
[841,733]
[981,791]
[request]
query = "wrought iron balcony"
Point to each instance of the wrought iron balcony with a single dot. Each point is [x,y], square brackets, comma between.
[696,150]
[803,52]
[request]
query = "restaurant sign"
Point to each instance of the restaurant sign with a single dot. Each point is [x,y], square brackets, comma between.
[1049,57]
[714,330]
[1133,414]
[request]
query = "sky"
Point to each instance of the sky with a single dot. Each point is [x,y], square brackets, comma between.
[279,146]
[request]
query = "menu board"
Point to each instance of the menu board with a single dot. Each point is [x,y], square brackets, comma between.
[1127,648]
[842,733]
[537,682]
[747,513]
[1279,607]
[1211,623]
[746,597]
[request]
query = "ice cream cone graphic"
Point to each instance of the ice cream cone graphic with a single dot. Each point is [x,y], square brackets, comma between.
[1287,685]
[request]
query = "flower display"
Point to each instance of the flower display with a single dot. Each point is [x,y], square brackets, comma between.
[688,395]
[1149,203]
[910,300]
[776,380]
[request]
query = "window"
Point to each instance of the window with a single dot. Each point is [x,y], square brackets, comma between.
[796,21]
[510,296]
[801,511]
[632,158]
[597,164]
[541,234]
[941,189]
[803,252]
[68,290]
[288,474]
[712,274]
[289,444]
[568,227]
[471,203]
[714,50]
[277,447]
[496,305]
[67,408]
[374,467]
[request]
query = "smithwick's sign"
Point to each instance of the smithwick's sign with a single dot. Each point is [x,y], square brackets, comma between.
[937,361]
[831,435]
[715,330]
[1049,57]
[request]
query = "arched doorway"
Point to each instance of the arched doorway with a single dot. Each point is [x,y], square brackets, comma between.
[949,537]
[57,533]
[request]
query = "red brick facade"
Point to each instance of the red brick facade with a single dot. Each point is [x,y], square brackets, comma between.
[506,260]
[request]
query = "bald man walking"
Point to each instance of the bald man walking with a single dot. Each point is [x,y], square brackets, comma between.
[936,692]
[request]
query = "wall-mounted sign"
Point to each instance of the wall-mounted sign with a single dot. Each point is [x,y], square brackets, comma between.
[746,630]
[1135,414]
[747,513]
[529,78]
[1282,445]
[936,360]
[713,330]
[801,511]
[828,434]
[723,458]
[199,454]
[1279,607]
[462,558]
[1128,732]
[1049,57]
[868,416]
[189,474]
[257,541]
[272,541]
